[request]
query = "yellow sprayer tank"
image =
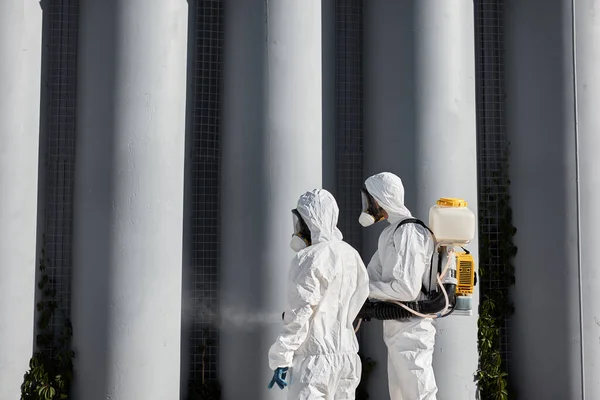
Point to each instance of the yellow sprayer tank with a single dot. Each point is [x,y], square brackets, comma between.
[452,222]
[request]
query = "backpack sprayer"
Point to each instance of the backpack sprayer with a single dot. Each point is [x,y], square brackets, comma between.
[452,225]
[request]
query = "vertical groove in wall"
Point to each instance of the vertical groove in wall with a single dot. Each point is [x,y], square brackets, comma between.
[61,77]
[349,115]
[491,136]
[206,156]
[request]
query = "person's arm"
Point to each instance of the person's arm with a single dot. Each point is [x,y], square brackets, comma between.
[408,257]
[304,296]
[362,288]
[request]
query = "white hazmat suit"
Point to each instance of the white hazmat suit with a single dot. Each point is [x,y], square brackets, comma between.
[328,284]
[397,271]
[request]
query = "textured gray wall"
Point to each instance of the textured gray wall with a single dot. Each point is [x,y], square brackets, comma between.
[529,53]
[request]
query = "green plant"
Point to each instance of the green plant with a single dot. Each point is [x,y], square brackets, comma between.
[496,306]
[204,389]
[51,367]
[368,365]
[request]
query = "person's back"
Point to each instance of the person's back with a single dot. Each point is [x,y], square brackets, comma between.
[328,285]
[345,277]
[398,242]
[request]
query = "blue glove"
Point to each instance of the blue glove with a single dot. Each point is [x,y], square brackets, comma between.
[279,378]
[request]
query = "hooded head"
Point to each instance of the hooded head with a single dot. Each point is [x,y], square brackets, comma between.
[320,211]
[387,189]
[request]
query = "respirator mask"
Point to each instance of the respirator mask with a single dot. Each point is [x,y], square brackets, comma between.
[371,211]
[301,236]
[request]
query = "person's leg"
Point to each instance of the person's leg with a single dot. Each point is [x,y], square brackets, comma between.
[350,368]
[410,355]
[394,387]
[309,379]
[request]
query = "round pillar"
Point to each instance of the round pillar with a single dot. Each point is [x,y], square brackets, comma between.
[587,85]
[20,75]
[553,90]
[420,124]
[128,201]
[271,151]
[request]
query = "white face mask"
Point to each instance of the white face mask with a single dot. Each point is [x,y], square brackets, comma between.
[366,219]
[297,243]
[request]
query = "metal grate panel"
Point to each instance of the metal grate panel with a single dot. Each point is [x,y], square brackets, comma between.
[492,139]
[61,75]
[349,116]
[206,131]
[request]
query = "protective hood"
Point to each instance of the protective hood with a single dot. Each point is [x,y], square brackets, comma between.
[388,190]
[320,212]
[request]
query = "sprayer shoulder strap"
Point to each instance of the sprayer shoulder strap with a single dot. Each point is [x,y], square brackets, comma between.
[413,221]
[417,221]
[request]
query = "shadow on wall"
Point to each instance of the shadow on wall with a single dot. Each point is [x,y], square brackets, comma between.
[93,233]
[243,120]
[545,333]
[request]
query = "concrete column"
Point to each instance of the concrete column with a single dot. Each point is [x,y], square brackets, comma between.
[20,74]
[587,84]
[420,118]
[129,199]
[553,90]
[271,154]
